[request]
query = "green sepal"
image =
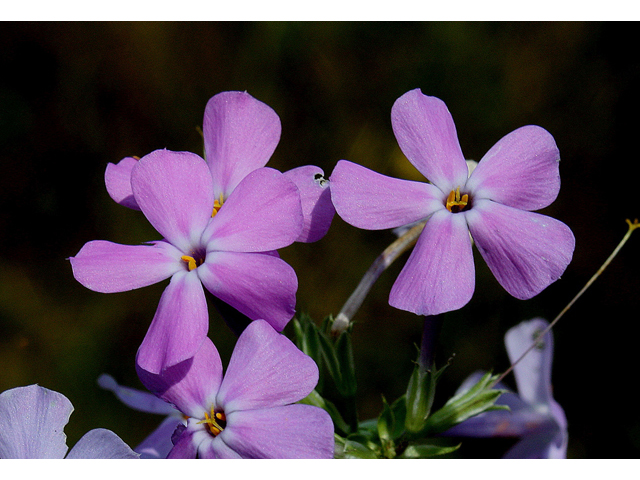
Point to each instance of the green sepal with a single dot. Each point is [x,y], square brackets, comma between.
[315,399]
[386,427]
[419,398]
[426,450]
[351,448]
[344,354]
[478,399]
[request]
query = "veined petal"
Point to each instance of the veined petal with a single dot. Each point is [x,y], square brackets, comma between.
[266,370]
[134,398]
[179,326]
[370,200]
[158,443]
[525,251]
[533,372]
[291,431]
[175,192]
[32,421]
[315,196]
[521,170]
[439,276]
[109,267]
[216,448]
[188,440]
[263,213]
[240,135]
[117,178]
[190,386]
[257,285]
[101,443]
[427,136]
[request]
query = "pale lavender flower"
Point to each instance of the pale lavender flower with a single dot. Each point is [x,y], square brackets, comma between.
[248,413]
[534,416]
[240,135]
[32,421]
[231,252]
[158,443]
[526,251]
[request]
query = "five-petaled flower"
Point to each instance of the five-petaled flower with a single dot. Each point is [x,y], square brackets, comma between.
[240,135]
[533,415]
[231,252]
[248,413]
[32,421]
[526,251]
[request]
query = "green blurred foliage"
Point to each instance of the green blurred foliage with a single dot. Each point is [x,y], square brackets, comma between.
[75,96]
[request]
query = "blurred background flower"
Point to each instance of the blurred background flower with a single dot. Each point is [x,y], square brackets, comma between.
[76,96]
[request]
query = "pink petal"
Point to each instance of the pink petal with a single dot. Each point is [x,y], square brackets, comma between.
[315,195]
[179,326]
[266,370]
[117,178]
[257,285]
[439,276]
[427,135]
[291,431]
[174,191]
[110,267]
[369,200]
[240,135]
[525,251]
[191,386]
[521,170]
[263,213]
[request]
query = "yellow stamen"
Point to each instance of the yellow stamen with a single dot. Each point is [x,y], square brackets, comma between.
[211,424]
[456,204]
[217,205]
[191,262]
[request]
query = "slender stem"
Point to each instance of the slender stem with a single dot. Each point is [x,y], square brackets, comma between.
[632,226]
[386,258]
[430,333]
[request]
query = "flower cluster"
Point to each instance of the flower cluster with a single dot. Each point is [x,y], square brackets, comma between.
[221,220]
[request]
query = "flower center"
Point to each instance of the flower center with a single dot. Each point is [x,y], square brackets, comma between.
[215,423]
[194,260]
[217,205]
[455,203]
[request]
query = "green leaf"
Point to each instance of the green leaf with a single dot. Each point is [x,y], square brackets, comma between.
[349,448]
[344,355]
[478,399]
[426,451]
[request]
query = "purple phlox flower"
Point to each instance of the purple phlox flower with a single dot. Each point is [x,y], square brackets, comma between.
[240,135]
[534,416]
[526,251]
[248,413]
[158,443]
[227,248]
[32,421]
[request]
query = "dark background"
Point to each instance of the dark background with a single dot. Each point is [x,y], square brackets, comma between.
[75,96]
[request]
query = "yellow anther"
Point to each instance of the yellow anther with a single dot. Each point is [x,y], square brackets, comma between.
[191,262]
[217,205]
[214,427]
[456,204]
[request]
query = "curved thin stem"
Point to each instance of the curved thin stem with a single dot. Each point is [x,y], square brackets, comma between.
[632,226]
[386,258]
